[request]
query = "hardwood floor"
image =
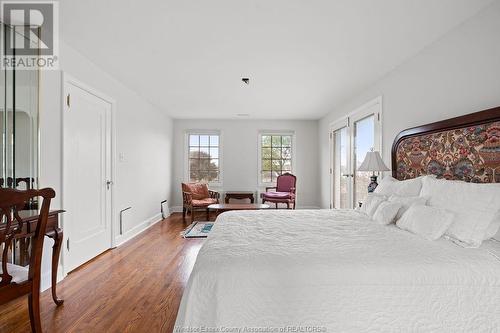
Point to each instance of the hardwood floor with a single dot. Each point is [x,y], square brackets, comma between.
[136,287]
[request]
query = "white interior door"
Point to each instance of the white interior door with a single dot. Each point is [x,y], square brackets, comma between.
[351,138]
[87,174]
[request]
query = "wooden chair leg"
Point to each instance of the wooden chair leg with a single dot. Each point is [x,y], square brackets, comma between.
[34,311]
[287,205]
[208,215]
[183,212]
[192,215]
[276,205]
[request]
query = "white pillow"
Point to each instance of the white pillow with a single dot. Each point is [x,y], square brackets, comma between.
[493,230]
[371,203]
[428,222]
[497,236]
[408,188]
[406,202]
[493,248]
[476,207]
[386,212]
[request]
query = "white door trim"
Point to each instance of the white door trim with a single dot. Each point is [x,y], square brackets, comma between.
[68,79]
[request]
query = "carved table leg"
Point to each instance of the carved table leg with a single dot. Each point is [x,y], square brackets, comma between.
[57,235]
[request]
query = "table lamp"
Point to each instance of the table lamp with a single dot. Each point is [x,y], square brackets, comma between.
[373,162]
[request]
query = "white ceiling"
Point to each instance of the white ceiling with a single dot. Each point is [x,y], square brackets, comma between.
[303,56]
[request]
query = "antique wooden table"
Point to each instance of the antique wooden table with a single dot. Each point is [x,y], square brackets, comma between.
[53,230]
[239,195]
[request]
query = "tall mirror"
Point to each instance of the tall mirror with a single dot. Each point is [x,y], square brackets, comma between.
[19,104]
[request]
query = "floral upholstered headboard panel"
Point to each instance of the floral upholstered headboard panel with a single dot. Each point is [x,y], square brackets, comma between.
[463,148]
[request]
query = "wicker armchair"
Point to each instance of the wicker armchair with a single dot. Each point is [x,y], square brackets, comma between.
[196,197]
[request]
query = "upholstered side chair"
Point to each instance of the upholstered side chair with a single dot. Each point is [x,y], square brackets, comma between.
[17,281]
[284,191]
[196,197]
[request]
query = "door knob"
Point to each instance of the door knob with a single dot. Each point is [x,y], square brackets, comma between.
[108,184]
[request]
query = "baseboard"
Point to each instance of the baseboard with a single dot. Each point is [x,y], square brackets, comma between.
[178,209]
[308,207]
[175,209]
[138,229]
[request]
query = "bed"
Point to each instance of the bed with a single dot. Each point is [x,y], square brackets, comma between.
[336,270]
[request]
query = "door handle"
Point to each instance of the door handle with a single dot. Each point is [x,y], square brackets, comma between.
[108,184]
[347,175]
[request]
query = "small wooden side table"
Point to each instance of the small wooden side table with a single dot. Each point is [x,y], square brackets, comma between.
[239,195]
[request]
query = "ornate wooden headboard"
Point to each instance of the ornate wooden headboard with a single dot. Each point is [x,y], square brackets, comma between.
[463,148]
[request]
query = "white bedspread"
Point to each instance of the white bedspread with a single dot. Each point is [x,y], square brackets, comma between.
[335,271]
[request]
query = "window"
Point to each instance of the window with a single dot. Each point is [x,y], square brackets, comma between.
[203,157]
[275,156]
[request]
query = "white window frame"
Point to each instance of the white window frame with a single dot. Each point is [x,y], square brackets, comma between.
[186,154]
[259,152]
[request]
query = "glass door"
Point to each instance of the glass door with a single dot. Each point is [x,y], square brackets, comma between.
[350,140]
[364,141]
[340,170]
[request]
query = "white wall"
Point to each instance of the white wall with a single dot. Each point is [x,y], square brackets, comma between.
[240,155]
[143,135]
[457,75]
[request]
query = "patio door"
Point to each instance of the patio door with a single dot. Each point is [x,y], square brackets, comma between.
[350,139]
[340,166]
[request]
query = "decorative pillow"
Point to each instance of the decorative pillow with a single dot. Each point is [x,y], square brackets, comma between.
[386,212]
[407,188]
[428,222]
[476,207]
[407,202]
[371,203]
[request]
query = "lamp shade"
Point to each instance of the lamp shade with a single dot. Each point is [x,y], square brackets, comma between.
[373,162]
